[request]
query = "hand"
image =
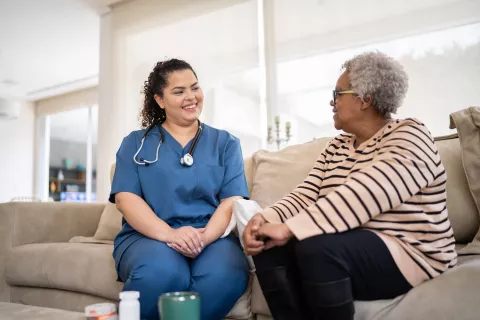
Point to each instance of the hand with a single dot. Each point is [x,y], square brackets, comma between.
[253,244]
[278,234]
[187,239]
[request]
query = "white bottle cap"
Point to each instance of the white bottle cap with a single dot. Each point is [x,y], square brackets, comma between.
[129,295]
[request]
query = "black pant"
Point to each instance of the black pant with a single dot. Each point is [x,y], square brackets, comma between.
[320,277]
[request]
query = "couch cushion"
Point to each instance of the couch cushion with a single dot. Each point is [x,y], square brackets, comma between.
[111,219]
[462,210]
[80,267]
[453,295]
[110,223]
[278,173]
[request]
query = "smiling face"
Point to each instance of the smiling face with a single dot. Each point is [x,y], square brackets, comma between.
[182,99]
[347,108]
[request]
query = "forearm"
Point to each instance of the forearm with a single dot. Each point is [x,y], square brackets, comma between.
[220,219]
[141,217]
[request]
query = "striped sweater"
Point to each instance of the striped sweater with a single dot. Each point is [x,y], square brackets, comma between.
[393,184]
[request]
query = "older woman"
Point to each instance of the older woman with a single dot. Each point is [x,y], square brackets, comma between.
[370,220]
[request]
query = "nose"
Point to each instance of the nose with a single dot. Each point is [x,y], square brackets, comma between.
[332,104]
[191,96]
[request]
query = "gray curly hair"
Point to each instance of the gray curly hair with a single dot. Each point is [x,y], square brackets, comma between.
[381,77]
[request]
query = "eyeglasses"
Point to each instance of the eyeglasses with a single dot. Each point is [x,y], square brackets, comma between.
[337,92]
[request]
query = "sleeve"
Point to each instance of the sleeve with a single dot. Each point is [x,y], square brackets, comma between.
[304,195]
[406,163]
[234,180]
[125,178]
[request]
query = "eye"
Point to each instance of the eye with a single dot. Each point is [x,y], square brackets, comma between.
[195,88]
[177,93]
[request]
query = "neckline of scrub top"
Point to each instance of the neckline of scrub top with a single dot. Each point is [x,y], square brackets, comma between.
[174,144]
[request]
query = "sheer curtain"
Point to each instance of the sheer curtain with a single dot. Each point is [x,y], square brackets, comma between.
[438,42]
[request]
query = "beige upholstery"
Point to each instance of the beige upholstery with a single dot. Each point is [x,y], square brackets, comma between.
[38,265]
[52,266]
[13,311]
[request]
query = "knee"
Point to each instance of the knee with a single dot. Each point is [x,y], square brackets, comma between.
[316,248]
[160,274]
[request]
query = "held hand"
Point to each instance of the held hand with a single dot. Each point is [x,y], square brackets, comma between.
[278,234]
[189,239]
[251,240]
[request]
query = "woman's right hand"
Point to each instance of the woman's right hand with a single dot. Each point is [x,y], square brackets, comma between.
[188,238]
[253,245]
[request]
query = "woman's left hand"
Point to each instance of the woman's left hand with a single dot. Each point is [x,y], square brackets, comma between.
[277,234]
[206,240]
[185,251]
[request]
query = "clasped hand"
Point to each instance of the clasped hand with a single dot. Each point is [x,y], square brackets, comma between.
[187,240]
[260,235]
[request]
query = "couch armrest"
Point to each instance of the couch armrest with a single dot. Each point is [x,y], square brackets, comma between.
[36,222]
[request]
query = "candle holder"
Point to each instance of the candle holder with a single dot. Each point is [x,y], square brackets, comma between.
[276,132]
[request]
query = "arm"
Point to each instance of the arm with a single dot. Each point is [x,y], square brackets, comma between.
[406,163]
[304,195]
[141,217]
[218,223]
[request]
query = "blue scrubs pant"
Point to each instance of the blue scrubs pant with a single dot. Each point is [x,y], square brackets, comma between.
[219,274]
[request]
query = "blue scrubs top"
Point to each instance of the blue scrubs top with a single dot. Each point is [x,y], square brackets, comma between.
[180,196]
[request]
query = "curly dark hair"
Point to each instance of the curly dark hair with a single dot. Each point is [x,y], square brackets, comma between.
[157,81]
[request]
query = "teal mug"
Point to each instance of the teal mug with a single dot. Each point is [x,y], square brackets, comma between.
[179,306]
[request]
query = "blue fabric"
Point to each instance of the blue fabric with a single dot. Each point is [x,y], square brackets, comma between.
[180,196]
[219,274]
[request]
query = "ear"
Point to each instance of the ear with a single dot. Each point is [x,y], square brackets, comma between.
[159,101]
[367,102]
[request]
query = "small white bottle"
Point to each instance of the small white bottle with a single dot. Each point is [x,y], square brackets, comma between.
[129,307]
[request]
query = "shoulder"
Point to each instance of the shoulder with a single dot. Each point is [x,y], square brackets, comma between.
[339,140]
[132,140]
[221,137]
[409,128]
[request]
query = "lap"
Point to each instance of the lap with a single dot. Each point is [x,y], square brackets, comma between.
[150,255]
[225,254]
[360,255]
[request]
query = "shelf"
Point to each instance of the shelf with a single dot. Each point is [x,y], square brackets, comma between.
[68,180]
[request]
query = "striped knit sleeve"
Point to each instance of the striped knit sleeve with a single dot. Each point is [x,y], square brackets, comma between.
[406,162]
[304,195]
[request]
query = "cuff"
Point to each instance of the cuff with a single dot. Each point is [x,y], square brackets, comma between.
[302,226]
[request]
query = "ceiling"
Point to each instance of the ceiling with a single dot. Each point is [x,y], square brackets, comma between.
[49,47]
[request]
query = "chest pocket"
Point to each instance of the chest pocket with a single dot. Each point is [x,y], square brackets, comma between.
[209,181]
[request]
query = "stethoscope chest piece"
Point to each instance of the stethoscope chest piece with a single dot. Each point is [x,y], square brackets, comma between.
[186,160]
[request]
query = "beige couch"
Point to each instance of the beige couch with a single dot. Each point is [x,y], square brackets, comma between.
[58,255]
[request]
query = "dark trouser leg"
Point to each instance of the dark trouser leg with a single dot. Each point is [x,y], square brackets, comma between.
[340,268]
[278,276]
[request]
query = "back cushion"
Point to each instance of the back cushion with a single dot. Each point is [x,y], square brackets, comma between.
[277,173]
[461,207]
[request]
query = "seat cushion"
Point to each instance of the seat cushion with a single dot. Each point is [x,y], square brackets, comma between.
[80,267]
[453,295]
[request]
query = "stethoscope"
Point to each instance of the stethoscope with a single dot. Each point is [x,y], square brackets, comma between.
[186,160]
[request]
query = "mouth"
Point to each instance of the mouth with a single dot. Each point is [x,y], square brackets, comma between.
[190,107]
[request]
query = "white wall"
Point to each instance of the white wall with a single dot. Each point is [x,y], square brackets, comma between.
[17,154]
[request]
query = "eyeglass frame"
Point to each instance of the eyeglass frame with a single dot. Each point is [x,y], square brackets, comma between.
[337,92]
